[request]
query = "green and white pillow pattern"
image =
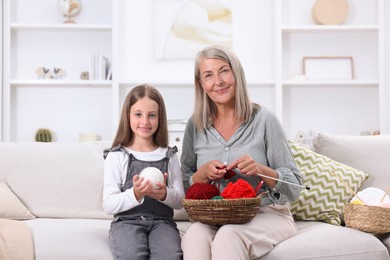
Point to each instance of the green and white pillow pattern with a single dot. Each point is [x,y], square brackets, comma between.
[328,181]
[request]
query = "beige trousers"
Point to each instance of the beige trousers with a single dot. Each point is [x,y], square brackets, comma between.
[251,240]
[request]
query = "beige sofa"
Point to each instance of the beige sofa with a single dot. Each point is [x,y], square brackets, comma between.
[60,185]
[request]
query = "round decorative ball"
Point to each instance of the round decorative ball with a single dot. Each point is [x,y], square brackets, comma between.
[154,175]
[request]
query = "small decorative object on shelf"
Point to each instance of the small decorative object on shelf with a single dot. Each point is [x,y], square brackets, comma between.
[43,135]
[58,73]
[70,9]
[328,68]
[84,75]
[88,137]
[330,12]
[43,73]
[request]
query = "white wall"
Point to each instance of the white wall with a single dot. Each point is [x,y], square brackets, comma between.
[387,64]
[1,71]
[174,78]
[306,108]
[137,44]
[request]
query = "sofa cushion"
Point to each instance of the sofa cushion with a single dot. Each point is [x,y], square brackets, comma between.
[85,239]
[10,206]
[318,240]
[367,153]
[182,226]
[385,238]
[180,215]
[63,180]
[330,183]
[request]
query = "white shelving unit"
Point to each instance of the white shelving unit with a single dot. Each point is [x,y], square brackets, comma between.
[39,38]
[271,37]
[340,107]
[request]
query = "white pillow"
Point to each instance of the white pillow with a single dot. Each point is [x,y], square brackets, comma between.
[10,206]
[367,153]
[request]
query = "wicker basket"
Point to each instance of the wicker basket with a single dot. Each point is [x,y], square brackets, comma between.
[223,211]
[365,218]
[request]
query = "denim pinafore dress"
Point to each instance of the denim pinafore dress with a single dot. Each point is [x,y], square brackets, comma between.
[150,208]
[130,228]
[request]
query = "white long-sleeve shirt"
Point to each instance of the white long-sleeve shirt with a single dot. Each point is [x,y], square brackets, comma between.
[115,171]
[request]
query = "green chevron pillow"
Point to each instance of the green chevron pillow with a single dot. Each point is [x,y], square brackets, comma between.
[330,185]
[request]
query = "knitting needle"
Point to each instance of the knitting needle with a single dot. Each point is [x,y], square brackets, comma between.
[384,195]
[346,185]
[259,186]
[291,183]
[272,178]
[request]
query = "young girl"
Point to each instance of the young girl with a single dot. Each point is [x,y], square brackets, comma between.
[143,226]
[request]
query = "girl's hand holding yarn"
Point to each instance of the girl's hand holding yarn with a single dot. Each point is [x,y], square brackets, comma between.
[141,187]
[154,175]
[161,192]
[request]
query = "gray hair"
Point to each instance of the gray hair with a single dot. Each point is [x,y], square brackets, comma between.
[205,109]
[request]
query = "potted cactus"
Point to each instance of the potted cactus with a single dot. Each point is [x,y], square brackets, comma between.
[43,135]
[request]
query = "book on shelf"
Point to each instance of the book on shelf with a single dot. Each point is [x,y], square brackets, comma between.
[98,65]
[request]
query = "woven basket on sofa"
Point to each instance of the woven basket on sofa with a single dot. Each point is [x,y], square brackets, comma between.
[222,211]
[371,219]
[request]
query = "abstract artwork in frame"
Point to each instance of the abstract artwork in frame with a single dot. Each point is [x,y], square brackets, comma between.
[183,27]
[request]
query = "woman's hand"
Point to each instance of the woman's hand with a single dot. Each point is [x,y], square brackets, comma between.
[248,166]
[210,171]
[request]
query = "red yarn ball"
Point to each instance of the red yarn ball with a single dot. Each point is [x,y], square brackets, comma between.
[201,191]
[240,189]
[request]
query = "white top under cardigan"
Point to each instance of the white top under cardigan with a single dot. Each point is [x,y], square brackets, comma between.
[115,171]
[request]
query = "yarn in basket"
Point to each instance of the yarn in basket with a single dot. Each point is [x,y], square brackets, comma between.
[202,191]
[237,190]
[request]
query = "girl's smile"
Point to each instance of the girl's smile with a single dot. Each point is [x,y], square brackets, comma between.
[144,118]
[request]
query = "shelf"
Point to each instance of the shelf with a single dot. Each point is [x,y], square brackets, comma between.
[330,83]
[270,37]
[162,83]
[60,82]
[61,27]
[330,28]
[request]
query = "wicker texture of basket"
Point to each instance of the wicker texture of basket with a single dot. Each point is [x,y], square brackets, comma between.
[371,219]
[222,211]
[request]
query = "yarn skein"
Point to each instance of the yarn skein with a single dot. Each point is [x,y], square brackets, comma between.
[240,189]
[199,191]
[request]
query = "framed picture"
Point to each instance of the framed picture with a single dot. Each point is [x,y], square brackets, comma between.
[183,27]
[328,68]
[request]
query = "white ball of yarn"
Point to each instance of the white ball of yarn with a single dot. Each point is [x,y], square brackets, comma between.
[154,175]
